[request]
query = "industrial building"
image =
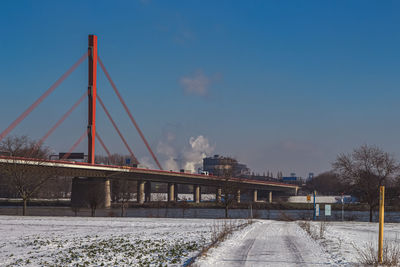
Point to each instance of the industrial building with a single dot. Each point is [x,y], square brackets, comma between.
[220,166]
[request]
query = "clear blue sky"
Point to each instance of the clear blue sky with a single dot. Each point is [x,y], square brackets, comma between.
[281,85]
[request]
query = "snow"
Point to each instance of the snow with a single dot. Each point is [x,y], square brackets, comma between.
[268,243]
[79,241]
[279,243]
[343,239]
[86,241]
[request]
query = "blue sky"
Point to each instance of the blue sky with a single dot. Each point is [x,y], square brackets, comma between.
[278,85]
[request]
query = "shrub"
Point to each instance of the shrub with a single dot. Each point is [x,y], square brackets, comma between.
[368,255]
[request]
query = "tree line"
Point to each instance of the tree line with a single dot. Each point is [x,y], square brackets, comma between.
[360,174]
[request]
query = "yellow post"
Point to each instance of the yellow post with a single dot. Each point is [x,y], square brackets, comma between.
[381,222]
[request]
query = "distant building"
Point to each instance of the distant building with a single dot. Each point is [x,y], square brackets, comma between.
[220,166]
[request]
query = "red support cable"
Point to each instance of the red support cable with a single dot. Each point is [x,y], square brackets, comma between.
[103,145]
[76,144]
[116,128]
[41,98]
[129,113]
[62,119]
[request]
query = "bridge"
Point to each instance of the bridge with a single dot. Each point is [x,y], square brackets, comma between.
[89,174]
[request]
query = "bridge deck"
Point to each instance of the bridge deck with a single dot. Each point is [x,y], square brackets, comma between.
[80,169]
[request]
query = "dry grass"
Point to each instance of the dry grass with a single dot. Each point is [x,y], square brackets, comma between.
[220,230]
[322,229]
[368,255]
[311,231]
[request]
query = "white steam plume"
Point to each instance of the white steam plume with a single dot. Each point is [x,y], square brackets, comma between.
[189,158]
[199,149]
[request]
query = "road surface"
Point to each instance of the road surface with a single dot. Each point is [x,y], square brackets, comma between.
[268,243]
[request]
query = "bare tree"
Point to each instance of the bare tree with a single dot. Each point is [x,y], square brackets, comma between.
[184,204]
[229,190]
[364,171]
[25,180]
[22,146]
[122,190]
[95,196]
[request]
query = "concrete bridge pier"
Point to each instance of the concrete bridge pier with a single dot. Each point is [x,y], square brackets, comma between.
[218,195]
[255,195]
[196,194]
[171,192]
[107,194]
[140,191]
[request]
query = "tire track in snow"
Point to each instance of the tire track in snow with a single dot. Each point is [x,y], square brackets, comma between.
[293,249]
[269,243]
[246,248]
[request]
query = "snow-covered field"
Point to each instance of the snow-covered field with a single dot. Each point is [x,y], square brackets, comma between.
[278,243]
[80,241]
[343,239]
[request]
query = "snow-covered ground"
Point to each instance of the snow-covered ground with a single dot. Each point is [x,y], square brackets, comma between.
[79,241]
[268,243]
[85,241]
[278,243]
[343,239]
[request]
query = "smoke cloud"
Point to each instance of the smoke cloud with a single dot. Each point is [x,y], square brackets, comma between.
[199,149]
[146,162]
[190,157]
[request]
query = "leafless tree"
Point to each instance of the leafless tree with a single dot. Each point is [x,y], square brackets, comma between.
[22,146]
[75,209]
[95,197]
[229,190]
[184,204]
[25,180]
[122,191]
[365,170]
